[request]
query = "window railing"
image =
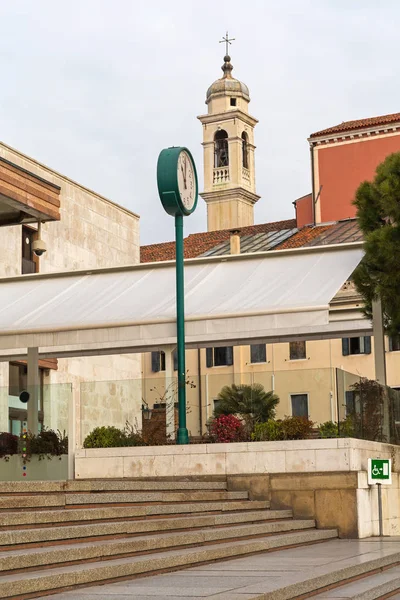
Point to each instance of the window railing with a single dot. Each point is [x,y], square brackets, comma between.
[221,175]
[246,175]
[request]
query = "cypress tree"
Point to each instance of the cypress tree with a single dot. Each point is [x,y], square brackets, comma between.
[378,215]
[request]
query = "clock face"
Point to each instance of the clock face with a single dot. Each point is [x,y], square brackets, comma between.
[186,180]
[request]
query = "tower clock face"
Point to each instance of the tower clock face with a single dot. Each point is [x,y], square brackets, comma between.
[186,180]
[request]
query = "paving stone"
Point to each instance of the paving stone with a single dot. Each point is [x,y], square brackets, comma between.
[369,587]
[232,577]
[97,571]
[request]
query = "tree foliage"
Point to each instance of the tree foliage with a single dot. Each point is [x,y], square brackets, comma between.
[378,215]
[251,402]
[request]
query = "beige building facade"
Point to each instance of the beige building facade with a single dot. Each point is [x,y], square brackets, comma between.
[310,379]
[90,232]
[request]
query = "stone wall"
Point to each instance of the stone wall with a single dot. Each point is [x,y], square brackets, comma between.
[300,456]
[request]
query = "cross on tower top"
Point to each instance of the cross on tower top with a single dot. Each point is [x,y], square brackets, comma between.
[227,41]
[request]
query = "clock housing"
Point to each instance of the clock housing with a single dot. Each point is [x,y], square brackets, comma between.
[177,181]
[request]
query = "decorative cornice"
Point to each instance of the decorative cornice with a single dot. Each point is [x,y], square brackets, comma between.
[337,137]
[228,115]
[231,194]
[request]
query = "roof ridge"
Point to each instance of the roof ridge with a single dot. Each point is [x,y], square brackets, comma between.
[358,124]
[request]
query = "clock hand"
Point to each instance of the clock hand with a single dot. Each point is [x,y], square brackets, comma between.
[184,177]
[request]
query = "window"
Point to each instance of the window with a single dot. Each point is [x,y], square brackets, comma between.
[17,380]
[157,361]
[221,152]
[360,345]
[233,101]
[299,405]
[350,403]
[258,353]
[28,263]
[175,359]
[394,344]
[219,357]
[245,150]
[216,403]
[297,350]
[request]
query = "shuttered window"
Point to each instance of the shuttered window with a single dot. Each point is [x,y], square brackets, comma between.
[157,361]
[219,357]
[394,344]
[299,405]
[297,350]
[357,345]
[258,353]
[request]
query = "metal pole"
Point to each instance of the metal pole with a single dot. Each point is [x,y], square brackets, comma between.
[33,389]
[183,435]
[380,509]
[380,363]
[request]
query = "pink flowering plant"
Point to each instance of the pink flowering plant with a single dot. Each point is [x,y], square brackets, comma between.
[226,428]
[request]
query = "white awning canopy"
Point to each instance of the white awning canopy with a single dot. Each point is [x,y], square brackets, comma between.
[231,300]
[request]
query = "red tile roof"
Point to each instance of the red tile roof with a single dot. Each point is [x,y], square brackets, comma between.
[198,243]
[359,124]
[303,237]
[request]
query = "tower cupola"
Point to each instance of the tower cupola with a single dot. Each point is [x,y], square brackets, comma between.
[228,89]
[228,142]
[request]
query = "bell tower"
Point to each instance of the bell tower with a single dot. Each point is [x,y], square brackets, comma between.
[228,142]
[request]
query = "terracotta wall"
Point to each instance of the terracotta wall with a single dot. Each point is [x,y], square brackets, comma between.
[341,167]
[304,211]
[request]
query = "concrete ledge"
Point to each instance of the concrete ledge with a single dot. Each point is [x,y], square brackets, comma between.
[297,456]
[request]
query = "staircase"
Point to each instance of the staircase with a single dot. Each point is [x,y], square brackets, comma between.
[57,536]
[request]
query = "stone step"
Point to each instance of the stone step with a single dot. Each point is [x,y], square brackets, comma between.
[95,485]
[28,584]
[106,549]
[371,587]
[76,515]
[16,501]
[135,527]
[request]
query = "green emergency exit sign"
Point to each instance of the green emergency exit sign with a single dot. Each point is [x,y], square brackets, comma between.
[379,471]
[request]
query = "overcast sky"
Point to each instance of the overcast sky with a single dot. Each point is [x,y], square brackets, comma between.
[96,88]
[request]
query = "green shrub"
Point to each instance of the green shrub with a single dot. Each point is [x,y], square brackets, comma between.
[8,444]
[290,428]
[328,430]
[347,428]
[297,428]
[269,431]
[331,429]
[249,402]
[47,443]
[112,437]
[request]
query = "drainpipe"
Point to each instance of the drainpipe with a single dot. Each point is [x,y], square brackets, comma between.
[200,390]
[234,241]
[312,180]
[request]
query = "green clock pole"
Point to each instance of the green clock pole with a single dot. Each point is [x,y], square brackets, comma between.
[183,435]
[178,190]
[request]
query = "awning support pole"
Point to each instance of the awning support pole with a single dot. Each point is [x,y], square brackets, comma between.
[33,390]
